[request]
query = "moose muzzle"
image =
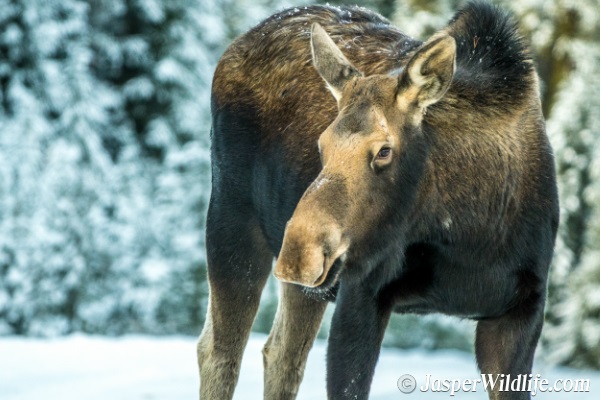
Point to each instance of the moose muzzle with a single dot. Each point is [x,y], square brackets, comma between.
[309,250]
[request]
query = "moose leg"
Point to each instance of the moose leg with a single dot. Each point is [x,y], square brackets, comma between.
[238,266]
[357,330]
[506,345]
[294,330]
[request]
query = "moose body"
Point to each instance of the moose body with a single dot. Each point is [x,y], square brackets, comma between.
[384,173]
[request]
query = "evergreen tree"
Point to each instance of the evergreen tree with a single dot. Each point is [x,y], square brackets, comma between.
[104,114]
[38,284]
[573,328]
[161,54]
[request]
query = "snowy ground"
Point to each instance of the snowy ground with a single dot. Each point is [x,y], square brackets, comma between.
[147,368]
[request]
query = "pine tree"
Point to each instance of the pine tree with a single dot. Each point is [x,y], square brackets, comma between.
[25,132]
[573,331]
[58,169]
[104,114]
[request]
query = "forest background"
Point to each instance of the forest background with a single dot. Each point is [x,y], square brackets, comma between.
[105,169]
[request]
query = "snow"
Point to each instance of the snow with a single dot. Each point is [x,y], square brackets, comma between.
[154,368]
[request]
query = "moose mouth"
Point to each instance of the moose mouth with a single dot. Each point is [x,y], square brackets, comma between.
[332,276]
[327,289]
[330,273]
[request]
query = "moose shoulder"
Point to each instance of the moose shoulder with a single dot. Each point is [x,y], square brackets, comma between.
[386,173]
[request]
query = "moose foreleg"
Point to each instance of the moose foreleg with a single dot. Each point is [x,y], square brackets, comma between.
[238,266]
[357,330]
[294,330]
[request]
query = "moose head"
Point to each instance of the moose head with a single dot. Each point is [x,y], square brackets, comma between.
[373,157]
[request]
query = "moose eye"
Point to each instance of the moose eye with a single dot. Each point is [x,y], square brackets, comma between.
[384,153]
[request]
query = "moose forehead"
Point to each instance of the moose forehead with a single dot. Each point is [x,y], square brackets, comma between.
[367,104]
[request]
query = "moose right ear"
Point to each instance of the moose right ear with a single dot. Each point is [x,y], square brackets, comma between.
[330,62]
[429,72]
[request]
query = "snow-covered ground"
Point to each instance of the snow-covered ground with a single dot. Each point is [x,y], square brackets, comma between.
[82,367]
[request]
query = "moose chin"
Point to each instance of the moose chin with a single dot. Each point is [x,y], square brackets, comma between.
[383,173]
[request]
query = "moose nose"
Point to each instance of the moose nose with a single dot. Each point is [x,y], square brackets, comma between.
[306,257]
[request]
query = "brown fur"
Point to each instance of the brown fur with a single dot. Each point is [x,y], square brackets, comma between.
[261,70]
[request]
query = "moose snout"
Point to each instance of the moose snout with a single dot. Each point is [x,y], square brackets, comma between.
[308,252]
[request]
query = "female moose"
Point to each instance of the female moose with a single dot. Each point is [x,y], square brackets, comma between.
[385,173]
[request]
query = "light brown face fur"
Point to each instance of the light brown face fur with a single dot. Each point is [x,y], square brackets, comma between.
[364,139]
[359,154]
[330,213]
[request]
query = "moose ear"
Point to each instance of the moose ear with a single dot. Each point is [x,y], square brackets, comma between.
[428,74]
[330,62]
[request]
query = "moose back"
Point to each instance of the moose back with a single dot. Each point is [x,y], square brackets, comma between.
[382,172]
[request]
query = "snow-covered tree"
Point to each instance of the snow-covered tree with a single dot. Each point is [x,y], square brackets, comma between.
[53,169]
[573,332]
[104,174]
[160,55]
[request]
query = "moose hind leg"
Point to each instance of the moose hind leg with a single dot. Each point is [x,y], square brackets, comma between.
[294,330]
[506,345]
[238,266]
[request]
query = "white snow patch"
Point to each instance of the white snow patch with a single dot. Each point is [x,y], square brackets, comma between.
[143,368]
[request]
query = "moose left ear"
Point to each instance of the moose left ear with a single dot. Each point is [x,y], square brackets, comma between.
[330,62]
[428,74]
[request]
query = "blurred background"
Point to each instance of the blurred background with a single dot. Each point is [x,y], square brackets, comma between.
[105,178]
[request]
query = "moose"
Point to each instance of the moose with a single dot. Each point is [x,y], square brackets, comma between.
[385,174]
